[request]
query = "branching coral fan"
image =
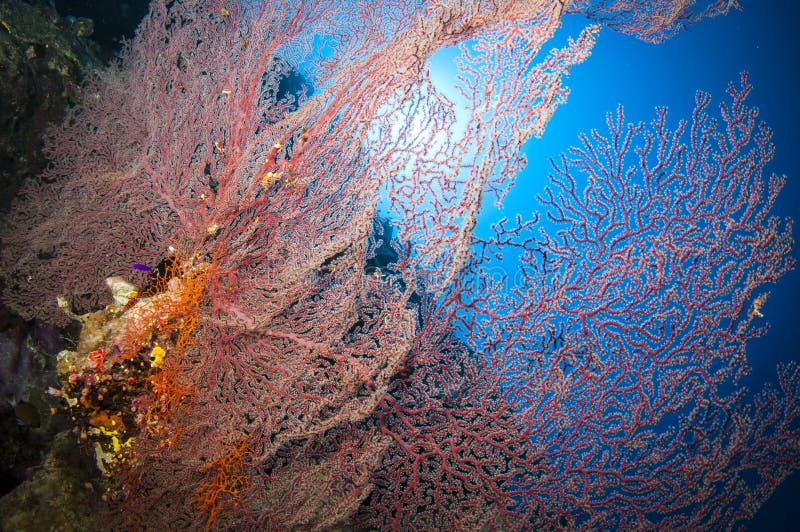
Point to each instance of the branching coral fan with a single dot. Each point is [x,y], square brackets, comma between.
[294,364]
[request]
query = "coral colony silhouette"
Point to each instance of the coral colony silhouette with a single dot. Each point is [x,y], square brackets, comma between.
[281,356]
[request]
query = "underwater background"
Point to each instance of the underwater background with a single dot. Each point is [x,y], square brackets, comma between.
[759,39]
[708,55]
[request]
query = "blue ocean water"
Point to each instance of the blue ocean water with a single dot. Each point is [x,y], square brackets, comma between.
[760,39]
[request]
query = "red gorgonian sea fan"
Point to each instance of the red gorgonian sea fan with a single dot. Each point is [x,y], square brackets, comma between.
[298,380]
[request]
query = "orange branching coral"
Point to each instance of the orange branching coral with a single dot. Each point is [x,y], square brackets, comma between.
[168,307]
[166,395]
[227,479]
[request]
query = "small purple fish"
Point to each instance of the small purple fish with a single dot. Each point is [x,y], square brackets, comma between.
[143,267]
